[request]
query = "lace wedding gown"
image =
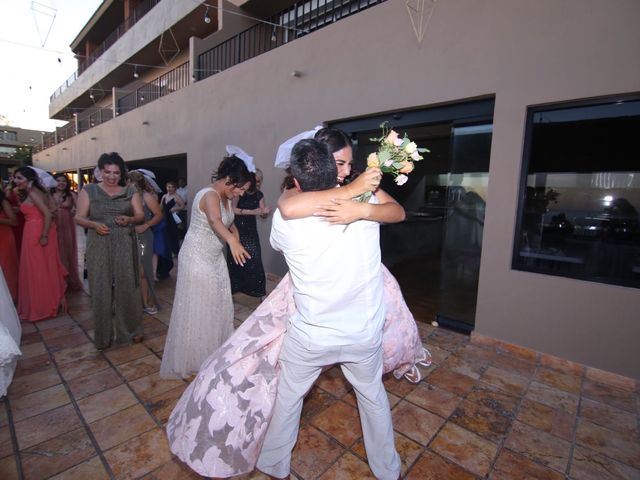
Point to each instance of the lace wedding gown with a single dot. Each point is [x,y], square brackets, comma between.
[202,314]
[219,423]
[10,331]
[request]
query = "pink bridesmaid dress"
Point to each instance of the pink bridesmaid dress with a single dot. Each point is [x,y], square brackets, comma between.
[41,281]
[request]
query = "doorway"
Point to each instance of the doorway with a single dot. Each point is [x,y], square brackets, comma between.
[435,252]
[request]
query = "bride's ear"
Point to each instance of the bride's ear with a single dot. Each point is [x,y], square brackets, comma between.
[296,184]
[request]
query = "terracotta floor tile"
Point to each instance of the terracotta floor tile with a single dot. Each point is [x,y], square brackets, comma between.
[562,365]
[348,467]
[97,382]
[174,470]
[163,404]
[539,446]
[476,354]
[615,397]
[511,466]
[140,367]
[56,455]
[75,354]
[121,426]
[401,387]
[31,365]
[436,400]
[465,448]
[589,465]
[34,382]
[451,381]
[514,365]
[118,355]
[553,397]
[610,417]
[45,426]
[551,420]
[416,423]
[509,382]
[561,381]
[341,422]
[318,400]
[68,341]
[484,421]
[446,339]
[54,322]
[152,385]
[155,344]
[618,446]
[29,338]
[438,355]
[91,469]
[433,467]
[139,455]
[8,468]
[64,330]
[407,449]
[470,368]
[38,402]
[6,444]
[333,381]
[611,379]
[33,349]
[493,398]
[28,327]
[86,366]
[4,418]
[105,403]
[314,453]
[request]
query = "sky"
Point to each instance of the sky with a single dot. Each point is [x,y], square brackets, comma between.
[35,57]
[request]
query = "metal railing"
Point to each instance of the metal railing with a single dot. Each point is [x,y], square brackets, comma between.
[139,12]
[296,21]
[163,85]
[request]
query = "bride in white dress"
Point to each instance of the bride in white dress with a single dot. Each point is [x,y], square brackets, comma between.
[10,332]
[202,314]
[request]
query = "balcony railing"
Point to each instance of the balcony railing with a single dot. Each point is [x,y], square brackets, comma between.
[164,85]
[300,19]
[139,12]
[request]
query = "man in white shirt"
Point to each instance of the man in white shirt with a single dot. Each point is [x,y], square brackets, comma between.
[340,315]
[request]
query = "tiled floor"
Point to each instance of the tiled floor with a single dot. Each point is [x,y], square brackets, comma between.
[75,413]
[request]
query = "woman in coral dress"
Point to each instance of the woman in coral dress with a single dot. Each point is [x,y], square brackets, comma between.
[65,203]
[8,250]
[41,281]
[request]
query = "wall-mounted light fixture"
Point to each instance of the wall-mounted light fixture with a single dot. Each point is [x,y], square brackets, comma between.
[135,71]
[65,148]
[296,74]
[145,123]
[93,138]
[207,18]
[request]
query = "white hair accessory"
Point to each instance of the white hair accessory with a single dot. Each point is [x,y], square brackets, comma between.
[242,155]
[283,156]
[149,176]
[46,179]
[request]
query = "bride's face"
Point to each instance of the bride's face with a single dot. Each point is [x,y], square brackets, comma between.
[343,158]
[233,191]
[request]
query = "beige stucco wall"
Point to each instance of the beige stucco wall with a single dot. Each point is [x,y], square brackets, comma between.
[525,52]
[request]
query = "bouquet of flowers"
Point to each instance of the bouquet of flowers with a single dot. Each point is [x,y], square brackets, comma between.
[395,155]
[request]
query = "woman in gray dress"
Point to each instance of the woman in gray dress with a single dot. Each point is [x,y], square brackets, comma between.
[109,210]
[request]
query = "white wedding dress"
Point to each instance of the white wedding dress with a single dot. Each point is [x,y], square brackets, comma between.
[10,332]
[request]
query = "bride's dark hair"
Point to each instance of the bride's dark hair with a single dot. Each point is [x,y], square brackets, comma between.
[235,169]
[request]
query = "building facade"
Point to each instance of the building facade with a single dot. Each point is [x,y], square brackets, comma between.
[521,219]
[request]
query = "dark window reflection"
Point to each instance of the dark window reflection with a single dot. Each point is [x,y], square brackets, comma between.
[579,212]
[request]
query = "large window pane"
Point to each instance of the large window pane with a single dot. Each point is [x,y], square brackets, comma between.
[580,199]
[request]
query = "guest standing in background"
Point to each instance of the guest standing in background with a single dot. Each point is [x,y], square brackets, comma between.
[12,197]
[202,315]
[171,204]
[65,206]
[249,279]
[184,194]
[8,250]
[152,216]
[41,280]
[109,210]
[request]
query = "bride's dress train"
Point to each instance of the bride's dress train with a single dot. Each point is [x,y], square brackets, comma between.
[219,423]
[10,331]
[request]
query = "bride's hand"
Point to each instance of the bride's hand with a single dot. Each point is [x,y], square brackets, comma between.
[368,181]
[342,212]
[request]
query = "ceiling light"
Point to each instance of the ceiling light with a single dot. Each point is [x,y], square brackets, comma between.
[207,18]
[135,71]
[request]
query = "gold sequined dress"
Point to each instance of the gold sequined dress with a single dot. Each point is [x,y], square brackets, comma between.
[202,314]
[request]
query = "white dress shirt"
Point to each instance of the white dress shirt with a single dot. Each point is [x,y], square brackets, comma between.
[336,278]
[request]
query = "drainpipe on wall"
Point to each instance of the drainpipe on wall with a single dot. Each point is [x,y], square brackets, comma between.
[195,49]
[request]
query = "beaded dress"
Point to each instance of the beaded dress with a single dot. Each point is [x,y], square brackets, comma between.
[202,314]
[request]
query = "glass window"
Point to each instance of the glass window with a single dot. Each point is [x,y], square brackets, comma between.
[8,135]
[580,193]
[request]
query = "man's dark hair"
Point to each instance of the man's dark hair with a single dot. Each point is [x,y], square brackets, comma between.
[313,166]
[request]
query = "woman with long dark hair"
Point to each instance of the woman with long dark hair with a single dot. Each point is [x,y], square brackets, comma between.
[65,204]
[41,282]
